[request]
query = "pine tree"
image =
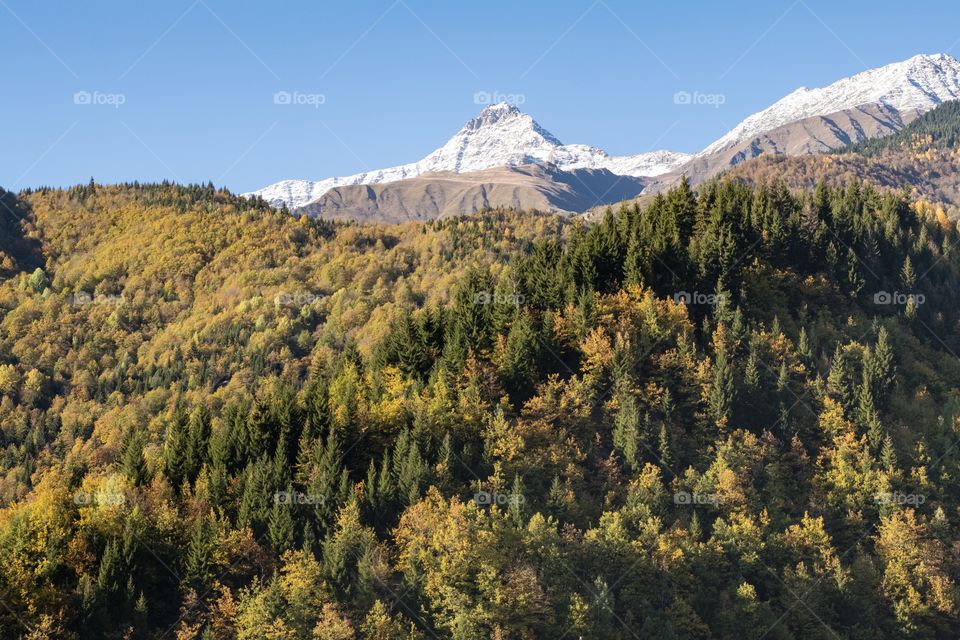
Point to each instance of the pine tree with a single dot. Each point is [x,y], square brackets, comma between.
[663,447]
[804,348]
[198,441]
[840,380]
[175,461]
[411,471]
[113,570]
[907,275]
[720,397]
[881,368]
[888,455]
[199,557]
[516,505]
[626,429]
[280,524]
[634,264]
[520,359]
[134,465]
[444,470]
[855,280]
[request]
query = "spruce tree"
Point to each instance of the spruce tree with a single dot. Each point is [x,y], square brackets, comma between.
[720,396]
[175,463]
[626,429]
[134,465]
[280,523]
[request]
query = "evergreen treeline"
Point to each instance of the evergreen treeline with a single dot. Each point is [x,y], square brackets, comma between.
[729,414]
[938,128]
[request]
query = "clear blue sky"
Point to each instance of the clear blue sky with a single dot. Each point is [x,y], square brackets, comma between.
[197,78]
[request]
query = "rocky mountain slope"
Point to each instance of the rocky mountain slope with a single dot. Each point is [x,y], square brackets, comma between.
[444,194]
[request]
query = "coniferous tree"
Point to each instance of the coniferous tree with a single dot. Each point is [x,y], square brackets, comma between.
[198,440]
[280,524]
[133,462]
[720,396]
[881,369]
[626,429]
[175,462]
[199,556]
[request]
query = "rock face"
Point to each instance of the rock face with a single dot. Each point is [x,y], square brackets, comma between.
[443,194]
[500,136]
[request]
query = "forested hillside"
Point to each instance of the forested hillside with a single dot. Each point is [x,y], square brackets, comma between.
[729,414]
[923,158]
[939,128]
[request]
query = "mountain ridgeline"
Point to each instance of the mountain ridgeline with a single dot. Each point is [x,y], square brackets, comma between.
[731,413]
[870,104]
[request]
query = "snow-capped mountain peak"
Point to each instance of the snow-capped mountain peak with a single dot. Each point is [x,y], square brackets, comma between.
[494,113]
[915,85]
[500,135]
[506,115]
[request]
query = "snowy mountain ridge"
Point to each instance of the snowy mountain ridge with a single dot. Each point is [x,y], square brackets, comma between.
[503,136]
[918,84]
[500,136]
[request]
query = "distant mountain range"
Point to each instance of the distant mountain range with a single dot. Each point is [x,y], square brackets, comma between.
[500,136]
[867,105]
